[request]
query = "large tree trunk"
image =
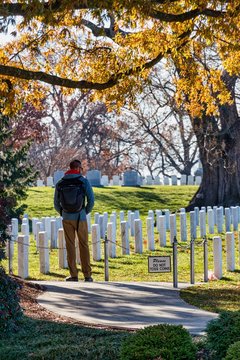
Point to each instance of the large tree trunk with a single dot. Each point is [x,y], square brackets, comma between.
[219,148]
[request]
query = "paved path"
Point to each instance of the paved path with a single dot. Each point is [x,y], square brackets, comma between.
[123,305]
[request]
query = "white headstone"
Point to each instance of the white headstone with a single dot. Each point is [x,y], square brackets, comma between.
[53,234]
[40,183]
[132,218]
[113,219]
[167,214]
[105,221]
[104,180]
[96,218]
[227,219]
[235,218]
[162,230]
[116,180]
[190,180]
[96,243]
[89,223]
[43,252]
[50,181]
[183,180]
[125,237]
[174,179]
[215,214]
[34,222]
[94,177]
[158,213]
[202,221]
[193,228]
[166,180]
[217,256]
[23,250]
[151,214]
[111,234]
[230,250]
[131,178]
[150,234]
[196,210]
[62,252]
[101,226]
[219,220]
[210,215]
[39,227]
[121,216]
[183,226]
[173,227]
[138,236]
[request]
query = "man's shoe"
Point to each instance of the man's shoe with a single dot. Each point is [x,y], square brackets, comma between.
[71,278]
[88,279]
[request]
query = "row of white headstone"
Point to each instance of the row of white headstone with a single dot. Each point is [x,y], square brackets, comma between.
[117,181]
[48,232]
[23,249]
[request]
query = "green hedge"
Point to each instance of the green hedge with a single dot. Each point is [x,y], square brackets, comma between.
[222,332]
[169,342]
[10,310]
[233,352]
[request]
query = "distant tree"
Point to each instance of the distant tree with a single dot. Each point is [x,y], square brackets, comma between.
[163,131]
[80,128]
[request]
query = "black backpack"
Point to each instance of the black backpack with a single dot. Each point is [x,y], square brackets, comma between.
[71,194]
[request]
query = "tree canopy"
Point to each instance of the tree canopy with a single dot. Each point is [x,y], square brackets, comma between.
[111,46]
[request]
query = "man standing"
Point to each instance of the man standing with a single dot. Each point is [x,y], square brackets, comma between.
[69,201]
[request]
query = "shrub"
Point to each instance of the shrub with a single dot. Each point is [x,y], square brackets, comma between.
[165,342]
[10,310]
[233,352]
[223,332]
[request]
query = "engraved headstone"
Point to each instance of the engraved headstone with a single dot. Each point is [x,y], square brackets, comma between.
[104,180]
[50,181]
[174,179]
[166,180]
[183,180]
[94,177]
[115,180]
[131,178]
[40,183]
[190,180]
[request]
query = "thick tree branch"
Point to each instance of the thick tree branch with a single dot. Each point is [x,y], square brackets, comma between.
[13,71]
[189,15]
[40,8]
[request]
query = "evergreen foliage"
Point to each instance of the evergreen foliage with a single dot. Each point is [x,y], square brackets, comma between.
[10,310]
[15,175]
[223,332]
[163,341]
[233,352]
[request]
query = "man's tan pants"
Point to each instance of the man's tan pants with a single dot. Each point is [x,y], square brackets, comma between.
[70,230]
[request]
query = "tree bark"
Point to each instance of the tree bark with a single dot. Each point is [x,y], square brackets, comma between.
[219,148]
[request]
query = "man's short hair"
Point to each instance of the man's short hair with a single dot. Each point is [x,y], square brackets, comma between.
[75,164]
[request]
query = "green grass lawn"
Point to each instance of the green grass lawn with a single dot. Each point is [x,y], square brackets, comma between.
[57,341]
[135,266]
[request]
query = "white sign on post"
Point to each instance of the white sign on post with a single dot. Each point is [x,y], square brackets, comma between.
[159,264]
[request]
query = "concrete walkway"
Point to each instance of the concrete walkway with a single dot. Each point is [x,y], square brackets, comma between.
[123,305]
